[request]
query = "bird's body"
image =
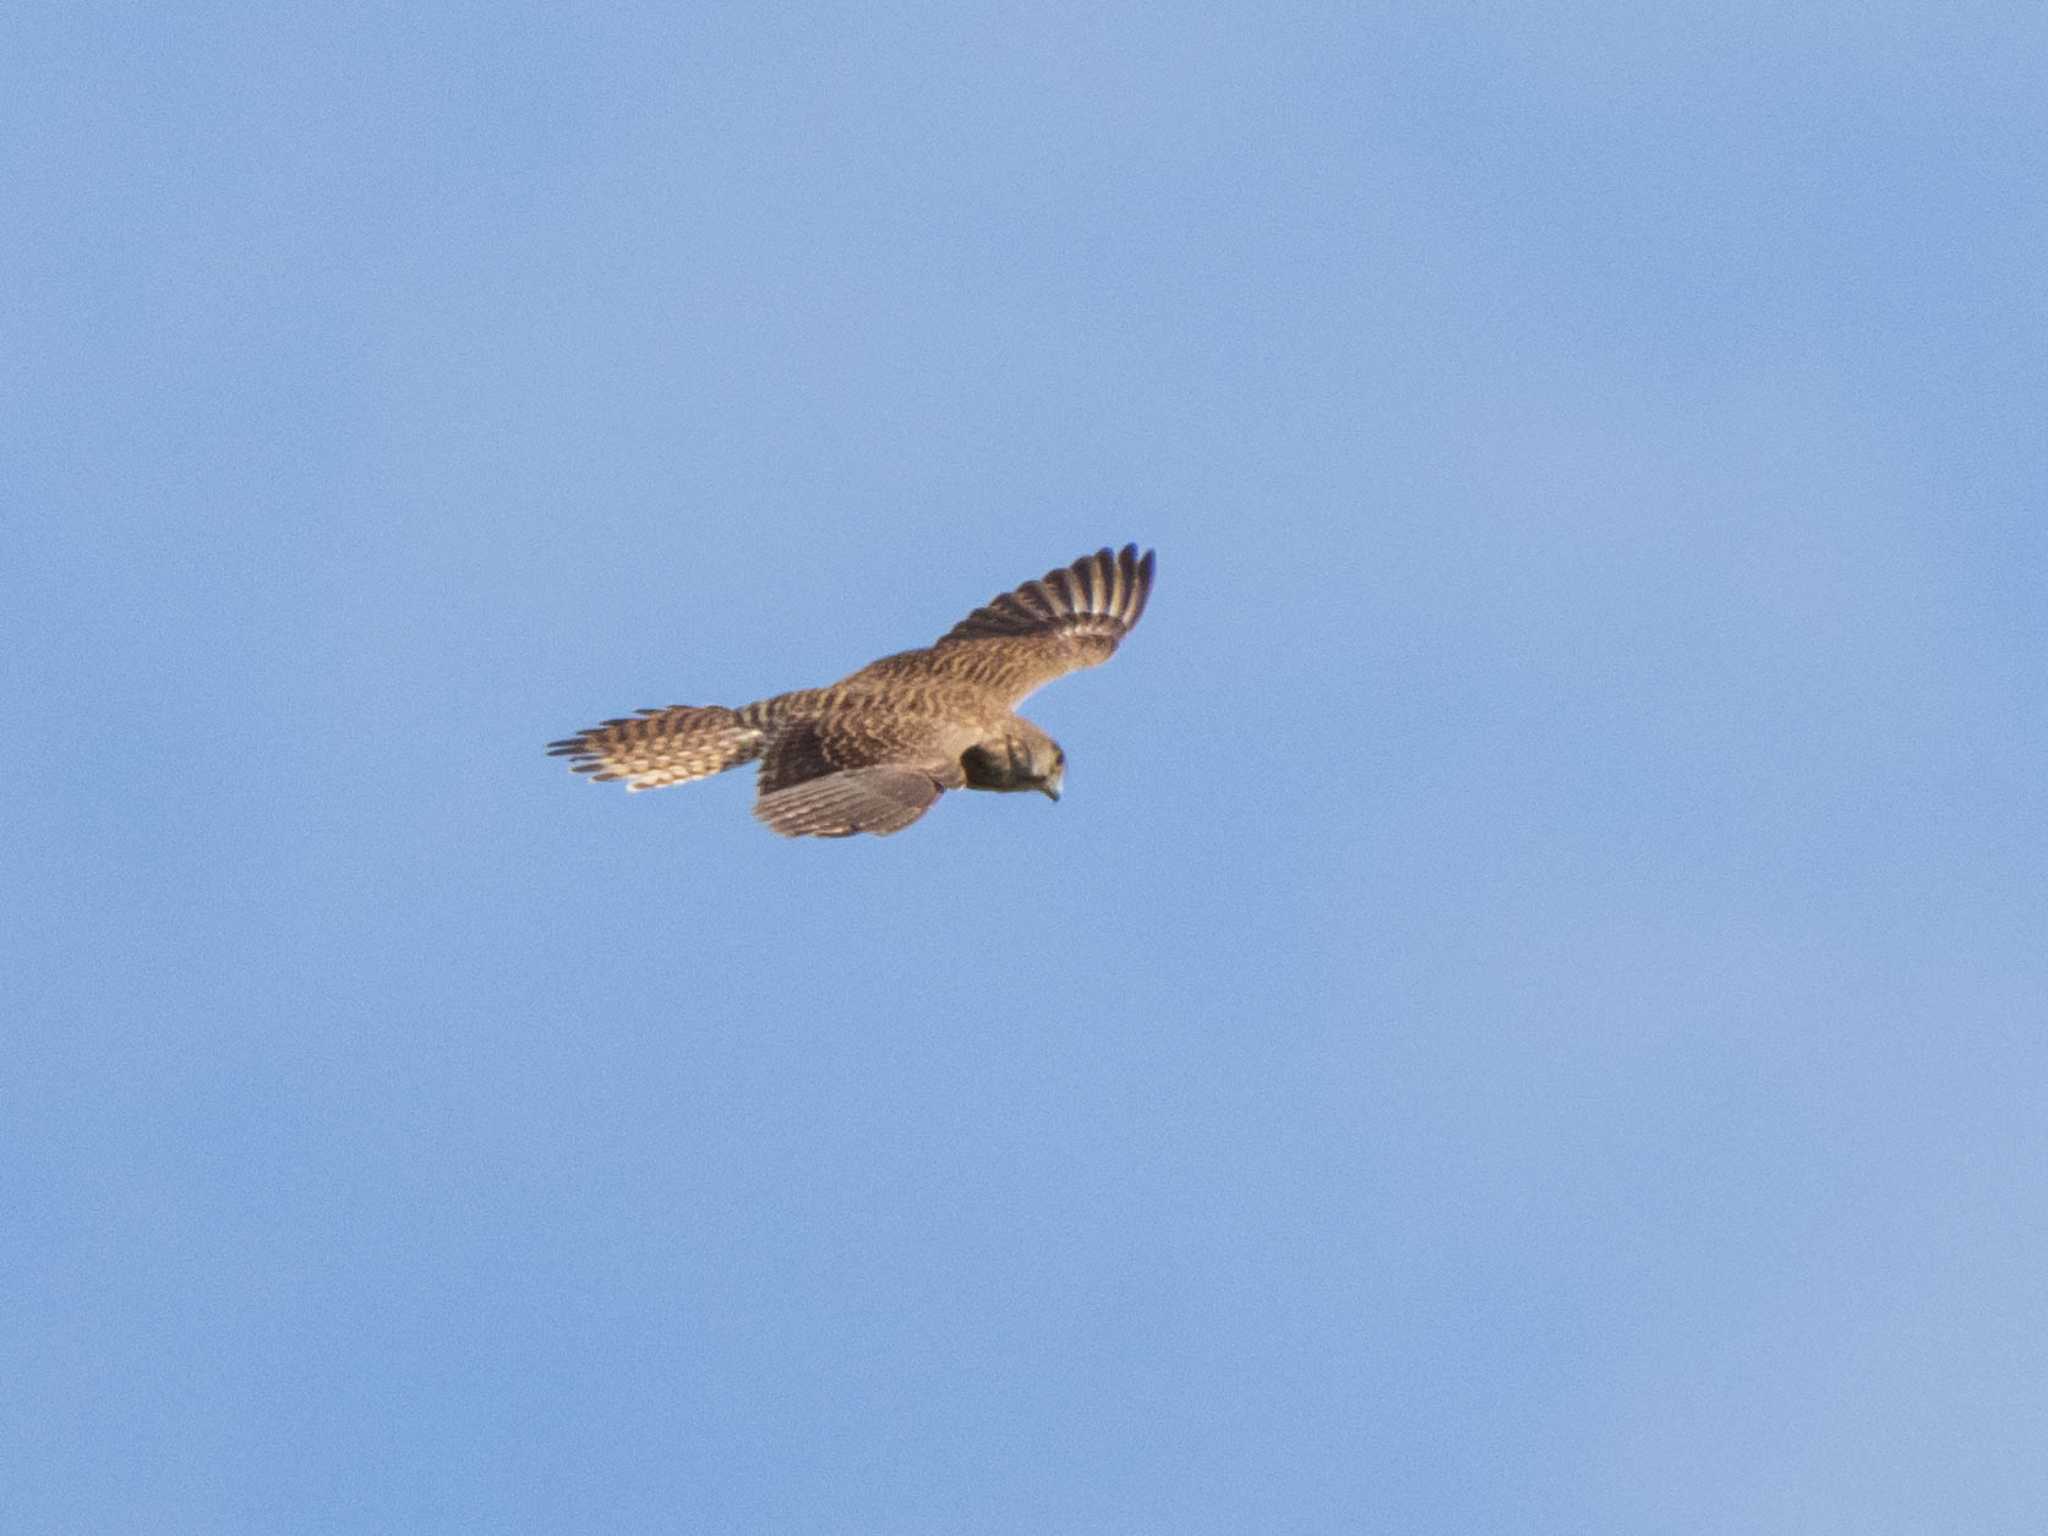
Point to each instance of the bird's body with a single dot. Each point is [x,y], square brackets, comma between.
[873,751]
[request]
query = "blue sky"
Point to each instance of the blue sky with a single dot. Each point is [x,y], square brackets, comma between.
[1529,1016]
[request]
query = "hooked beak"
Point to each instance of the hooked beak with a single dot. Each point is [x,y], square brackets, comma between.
[1050,788]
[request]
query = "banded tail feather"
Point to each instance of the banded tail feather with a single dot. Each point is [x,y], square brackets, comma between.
[659,747]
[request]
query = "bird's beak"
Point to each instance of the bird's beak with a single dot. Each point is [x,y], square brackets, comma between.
[1050,788]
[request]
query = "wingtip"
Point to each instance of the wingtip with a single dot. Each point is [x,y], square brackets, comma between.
[1140,568]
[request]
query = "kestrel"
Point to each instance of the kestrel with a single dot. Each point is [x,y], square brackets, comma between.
[873,751]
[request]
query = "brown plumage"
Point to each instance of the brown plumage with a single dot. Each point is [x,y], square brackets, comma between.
[872,752]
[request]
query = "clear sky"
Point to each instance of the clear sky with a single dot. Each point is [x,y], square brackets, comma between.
[1530,1015]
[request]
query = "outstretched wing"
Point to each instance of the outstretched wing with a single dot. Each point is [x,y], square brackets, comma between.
[1068,619]
[881,798]
[856,767]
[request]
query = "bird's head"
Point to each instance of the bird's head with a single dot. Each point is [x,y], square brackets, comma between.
[1021,756]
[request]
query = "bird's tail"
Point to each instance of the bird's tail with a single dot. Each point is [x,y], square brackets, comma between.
[659,747]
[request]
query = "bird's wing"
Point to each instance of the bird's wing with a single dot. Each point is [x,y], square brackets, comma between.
[857,766]
[1069,619]
[881,798]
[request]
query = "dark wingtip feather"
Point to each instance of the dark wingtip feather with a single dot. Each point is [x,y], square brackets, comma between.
[1141,586]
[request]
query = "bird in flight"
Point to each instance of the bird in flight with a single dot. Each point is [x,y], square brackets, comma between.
[872,752]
